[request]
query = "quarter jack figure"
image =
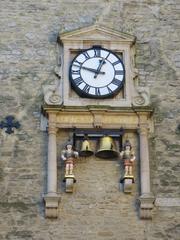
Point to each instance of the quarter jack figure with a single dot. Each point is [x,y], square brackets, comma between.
[69,155]
[128,157]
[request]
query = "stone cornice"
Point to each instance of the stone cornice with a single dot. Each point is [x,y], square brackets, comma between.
[140,109]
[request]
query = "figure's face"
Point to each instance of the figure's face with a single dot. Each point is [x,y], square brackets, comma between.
[128,148]
[69,146]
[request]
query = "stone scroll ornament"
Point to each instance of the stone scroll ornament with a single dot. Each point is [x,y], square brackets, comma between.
[128,158]
[69,156]
[51,92]
[141,97]
[52,95]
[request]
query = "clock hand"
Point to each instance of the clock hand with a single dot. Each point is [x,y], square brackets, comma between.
[90,69]
[101,62]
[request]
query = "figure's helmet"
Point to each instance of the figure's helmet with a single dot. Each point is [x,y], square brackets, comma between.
[69,143]
[127,143]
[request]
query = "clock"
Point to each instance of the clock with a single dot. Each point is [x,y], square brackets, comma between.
[97,73]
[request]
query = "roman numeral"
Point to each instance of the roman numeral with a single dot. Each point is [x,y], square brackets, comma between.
[86,55]
[97,52]
[79,63]
[97,91]
[114,63]
[77,72]
[119,72]
[116,82]
[86,88]
[109,90]
[78,81]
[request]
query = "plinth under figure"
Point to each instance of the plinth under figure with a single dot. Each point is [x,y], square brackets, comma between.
[128,157]
[69,156]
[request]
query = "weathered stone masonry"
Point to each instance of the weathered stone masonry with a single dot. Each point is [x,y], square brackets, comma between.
[28,56]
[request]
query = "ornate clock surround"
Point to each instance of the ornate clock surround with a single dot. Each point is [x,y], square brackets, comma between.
[130,109]
[120,43]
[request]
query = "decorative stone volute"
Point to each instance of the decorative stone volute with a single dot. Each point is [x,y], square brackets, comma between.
[52,94]
[141,96]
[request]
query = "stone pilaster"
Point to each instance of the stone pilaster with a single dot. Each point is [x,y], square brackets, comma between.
[146,198]
[52,198]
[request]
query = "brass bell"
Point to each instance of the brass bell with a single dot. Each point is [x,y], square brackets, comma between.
[107,148]
[86,149]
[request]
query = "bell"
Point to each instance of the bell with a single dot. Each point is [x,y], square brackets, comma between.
[107,148]
[86,149]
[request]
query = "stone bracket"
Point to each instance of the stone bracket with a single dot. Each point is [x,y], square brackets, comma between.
[146,206]
[51,205]
[128,184]
[69,181]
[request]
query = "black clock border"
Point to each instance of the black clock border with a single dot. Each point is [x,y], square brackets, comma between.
[83,94]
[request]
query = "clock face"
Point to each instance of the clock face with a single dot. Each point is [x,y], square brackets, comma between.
[97,73]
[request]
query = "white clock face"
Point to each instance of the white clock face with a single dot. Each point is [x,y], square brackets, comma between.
[97,73]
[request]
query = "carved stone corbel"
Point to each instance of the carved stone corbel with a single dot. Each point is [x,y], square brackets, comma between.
[51,205]
[141,96]
[69,183]
[128,185]
[146,206]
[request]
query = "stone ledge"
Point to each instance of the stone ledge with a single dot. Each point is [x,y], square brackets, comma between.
[167,202]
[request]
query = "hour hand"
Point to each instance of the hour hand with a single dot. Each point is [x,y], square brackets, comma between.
[101,62]
[90,69]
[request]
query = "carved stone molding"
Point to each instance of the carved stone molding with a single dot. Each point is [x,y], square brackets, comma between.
[97,119]
[146,205]
[52,129]
[51,205]
[141,96]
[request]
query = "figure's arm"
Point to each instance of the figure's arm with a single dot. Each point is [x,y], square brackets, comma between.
[76,154]
[133,157]
[63,155]
[121,154]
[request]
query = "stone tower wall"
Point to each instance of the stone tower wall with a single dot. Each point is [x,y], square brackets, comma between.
[98,209]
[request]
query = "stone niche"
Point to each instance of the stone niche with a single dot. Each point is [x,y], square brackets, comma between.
[65,110]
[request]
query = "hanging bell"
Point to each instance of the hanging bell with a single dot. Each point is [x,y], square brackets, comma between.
[86,149]
[107,148]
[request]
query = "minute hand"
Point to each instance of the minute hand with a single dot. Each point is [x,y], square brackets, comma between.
[91,69]
[101,62]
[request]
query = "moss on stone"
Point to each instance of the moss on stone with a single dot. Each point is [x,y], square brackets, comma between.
[1,174]
[19,235]
[19,206]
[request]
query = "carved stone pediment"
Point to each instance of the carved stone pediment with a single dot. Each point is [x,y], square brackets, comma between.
[95,33]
